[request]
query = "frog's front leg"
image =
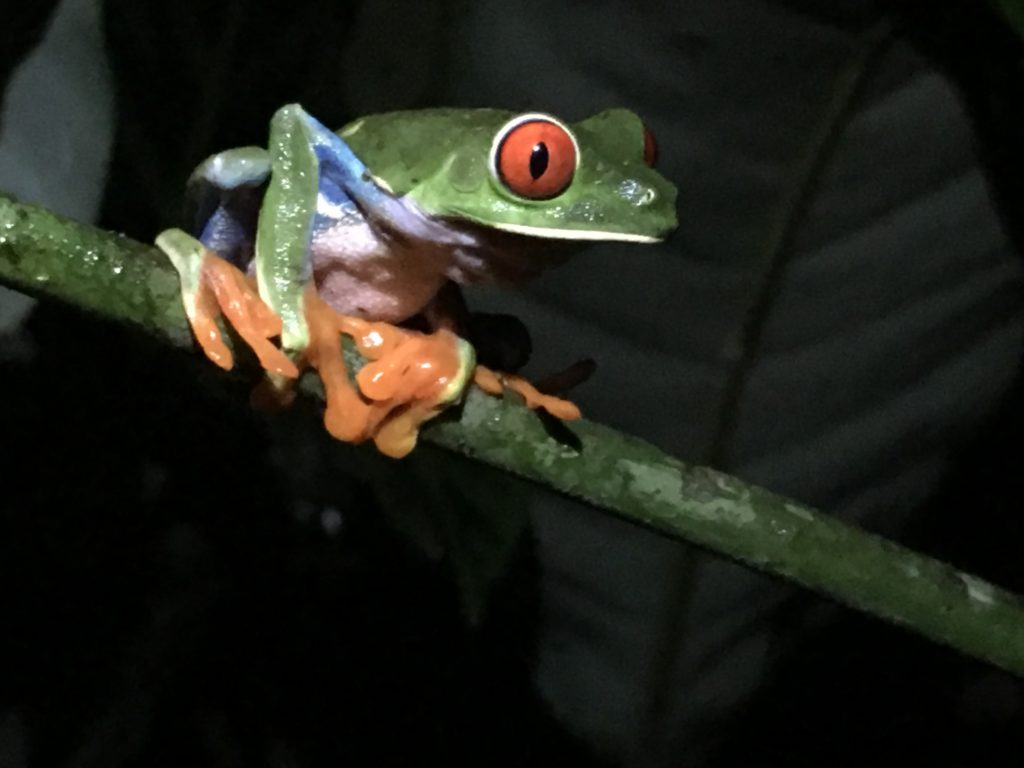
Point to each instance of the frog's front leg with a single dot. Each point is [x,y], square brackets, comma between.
[212,286]
[411,377]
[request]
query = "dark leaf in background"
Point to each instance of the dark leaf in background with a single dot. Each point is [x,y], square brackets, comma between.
[171,597]
[23,26]
[469,518]
[892,694]
[193,78]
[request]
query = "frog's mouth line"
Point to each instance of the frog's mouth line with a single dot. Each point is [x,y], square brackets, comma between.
[576,234]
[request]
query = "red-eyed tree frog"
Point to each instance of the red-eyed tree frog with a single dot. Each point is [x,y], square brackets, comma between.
[358,231]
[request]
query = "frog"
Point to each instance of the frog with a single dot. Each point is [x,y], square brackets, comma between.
[366,233]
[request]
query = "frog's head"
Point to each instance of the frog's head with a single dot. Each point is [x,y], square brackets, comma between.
[533,174]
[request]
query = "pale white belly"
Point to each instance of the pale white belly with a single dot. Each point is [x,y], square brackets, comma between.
[359,274]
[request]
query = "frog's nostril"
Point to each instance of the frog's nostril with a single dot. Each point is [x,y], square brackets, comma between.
[635,193]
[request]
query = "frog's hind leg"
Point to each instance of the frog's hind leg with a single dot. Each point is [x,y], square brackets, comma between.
[223,195]
[223,198]
[228,231]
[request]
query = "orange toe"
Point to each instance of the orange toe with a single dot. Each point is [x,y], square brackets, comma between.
[347,416]
[251,318]
[403,385]
[204,326]
[494,383]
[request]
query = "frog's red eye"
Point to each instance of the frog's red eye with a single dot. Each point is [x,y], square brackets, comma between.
[650,148]
[535,157]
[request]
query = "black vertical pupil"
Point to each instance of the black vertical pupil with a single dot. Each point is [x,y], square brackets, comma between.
[538,160]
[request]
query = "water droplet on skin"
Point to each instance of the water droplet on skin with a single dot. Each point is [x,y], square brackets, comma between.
[587,211]
[779,528]
[635,193]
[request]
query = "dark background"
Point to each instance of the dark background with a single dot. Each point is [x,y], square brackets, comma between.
[838,318]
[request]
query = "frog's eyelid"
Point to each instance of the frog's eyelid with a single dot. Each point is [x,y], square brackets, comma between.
[515,122]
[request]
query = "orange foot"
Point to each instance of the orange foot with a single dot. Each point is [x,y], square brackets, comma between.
[411,377]
[494,383]
[224,289]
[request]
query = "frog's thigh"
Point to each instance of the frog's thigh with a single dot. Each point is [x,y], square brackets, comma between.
[285,226]
[224,194]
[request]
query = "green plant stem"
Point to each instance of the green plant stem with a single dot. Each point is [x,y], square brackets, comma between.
[127,281]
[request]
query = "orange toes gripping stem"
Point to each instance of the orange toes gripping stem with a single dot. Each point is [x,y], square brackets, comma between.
[494,383]
[225,290]
[408,380]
